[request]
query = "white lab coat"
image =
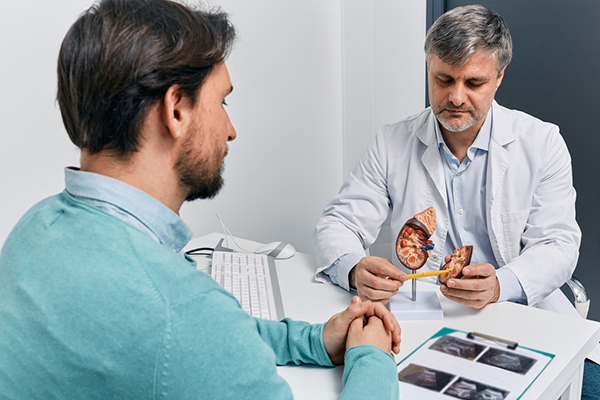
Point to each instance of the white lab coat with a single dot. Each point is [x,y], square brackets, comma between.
[530,200]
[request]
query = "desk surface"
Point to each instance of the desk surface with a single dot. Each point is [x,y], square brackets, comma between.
[570,338]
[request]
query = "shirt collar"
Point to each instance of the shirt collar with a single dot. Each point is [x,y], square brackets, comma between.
[129,203]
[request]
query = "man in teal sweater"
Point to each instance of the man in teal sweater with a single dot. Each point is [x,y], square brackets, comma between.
[97,299]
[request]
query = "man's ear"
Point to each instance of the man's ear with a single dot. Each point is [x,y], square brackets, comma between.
[500,77]
[176,111]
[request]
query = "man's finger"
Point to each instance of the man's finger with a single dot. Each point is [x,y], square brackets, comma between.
[375,295]
[477,304]
[387,287]
[378,283]
[386,316]
[397,275]
[482,270]
[389,322]
[384,268]
[356,326]
[375,322]
[356,309]
[379,278]
[484,291]
[462,294]
[471,284]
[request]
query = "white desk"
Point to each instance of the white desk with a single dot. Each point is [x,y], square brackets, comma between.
[571,339]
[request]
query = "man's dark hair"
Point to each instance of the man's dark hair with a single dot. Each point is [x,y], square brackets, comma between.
[120,58]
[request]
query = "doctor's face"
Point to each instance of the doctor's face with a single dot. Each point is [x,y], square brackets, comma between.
[461,96]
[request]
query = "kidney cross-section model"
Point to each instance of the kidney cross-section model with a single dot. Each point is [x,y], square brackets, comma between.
[458,260]
[413,246]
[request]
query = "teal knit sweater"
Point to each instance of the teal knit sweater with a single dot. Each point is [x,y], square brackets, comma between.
[91,307]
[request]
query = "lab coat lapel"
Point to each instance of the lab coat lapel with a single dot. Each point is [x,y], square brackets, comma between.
[498,161]
[431,157]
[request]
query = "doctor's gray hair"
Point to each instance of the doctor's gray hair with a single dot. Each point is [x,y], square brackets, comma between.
[462,31]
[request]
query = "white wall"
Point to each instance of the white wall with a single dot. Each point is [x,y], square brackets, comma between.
[301,116]
[34,146]
[383,68]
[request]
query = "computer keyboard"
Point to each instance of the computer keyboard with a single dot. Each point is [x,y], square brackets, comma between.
[252,280]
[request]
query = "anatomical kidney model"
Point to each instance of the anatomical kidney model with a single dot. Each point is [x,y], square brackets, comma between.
[458,260]
[413,246]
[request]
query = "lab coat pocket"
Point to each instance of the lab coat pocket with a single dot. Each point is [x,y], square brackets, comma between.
[513,226]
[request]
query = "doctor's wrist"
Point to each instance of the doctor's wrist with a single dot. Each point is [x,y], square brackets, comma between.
[352,278]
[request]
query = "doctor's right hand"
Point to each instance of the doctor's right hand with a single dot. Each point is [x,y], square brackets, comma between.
[376,279]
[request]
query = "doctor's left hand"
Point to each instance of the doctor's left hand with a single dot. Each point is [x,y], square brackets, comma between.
[335,332]
[477,288]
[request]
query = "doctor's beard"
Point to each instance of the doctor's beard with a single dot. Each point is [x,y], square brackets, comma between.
[454,124]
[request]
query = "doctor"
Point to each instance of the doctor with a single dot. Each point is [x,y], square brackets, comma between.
[499,180]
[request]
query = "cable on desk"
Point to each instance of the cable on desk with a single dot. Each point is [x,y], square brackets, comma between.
[228,234]
[198,251]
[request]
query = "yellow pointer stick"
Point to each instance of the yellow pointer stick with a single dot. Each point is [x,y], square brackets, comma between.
[430,273]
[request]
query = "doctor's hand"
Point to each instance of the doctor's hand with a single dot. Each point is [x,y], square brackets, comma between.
[337,334]
[477,288]
[376,279]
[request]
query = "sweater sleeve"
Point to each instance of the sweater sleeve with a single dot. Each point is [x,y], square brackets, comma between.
[369,373]
[295,341]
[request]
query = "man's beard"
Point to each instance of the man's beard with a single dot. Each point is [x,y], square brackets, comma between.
[202,181]
[451,124]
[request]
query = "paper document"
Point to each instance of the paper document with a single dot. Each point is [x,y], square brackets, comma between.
[451,365]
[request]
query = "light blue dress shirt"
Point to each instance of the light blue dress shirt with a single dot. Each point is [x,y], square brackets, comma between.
[131,205]
[465,190]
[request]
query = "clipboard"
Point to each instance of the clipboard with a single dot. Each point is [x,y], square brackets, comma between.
[469,365]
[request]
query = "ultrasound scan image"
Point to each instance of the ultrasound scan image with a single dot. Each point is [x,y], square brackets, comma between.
[457,347]
[507,360]
[467,389]
[425,377]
